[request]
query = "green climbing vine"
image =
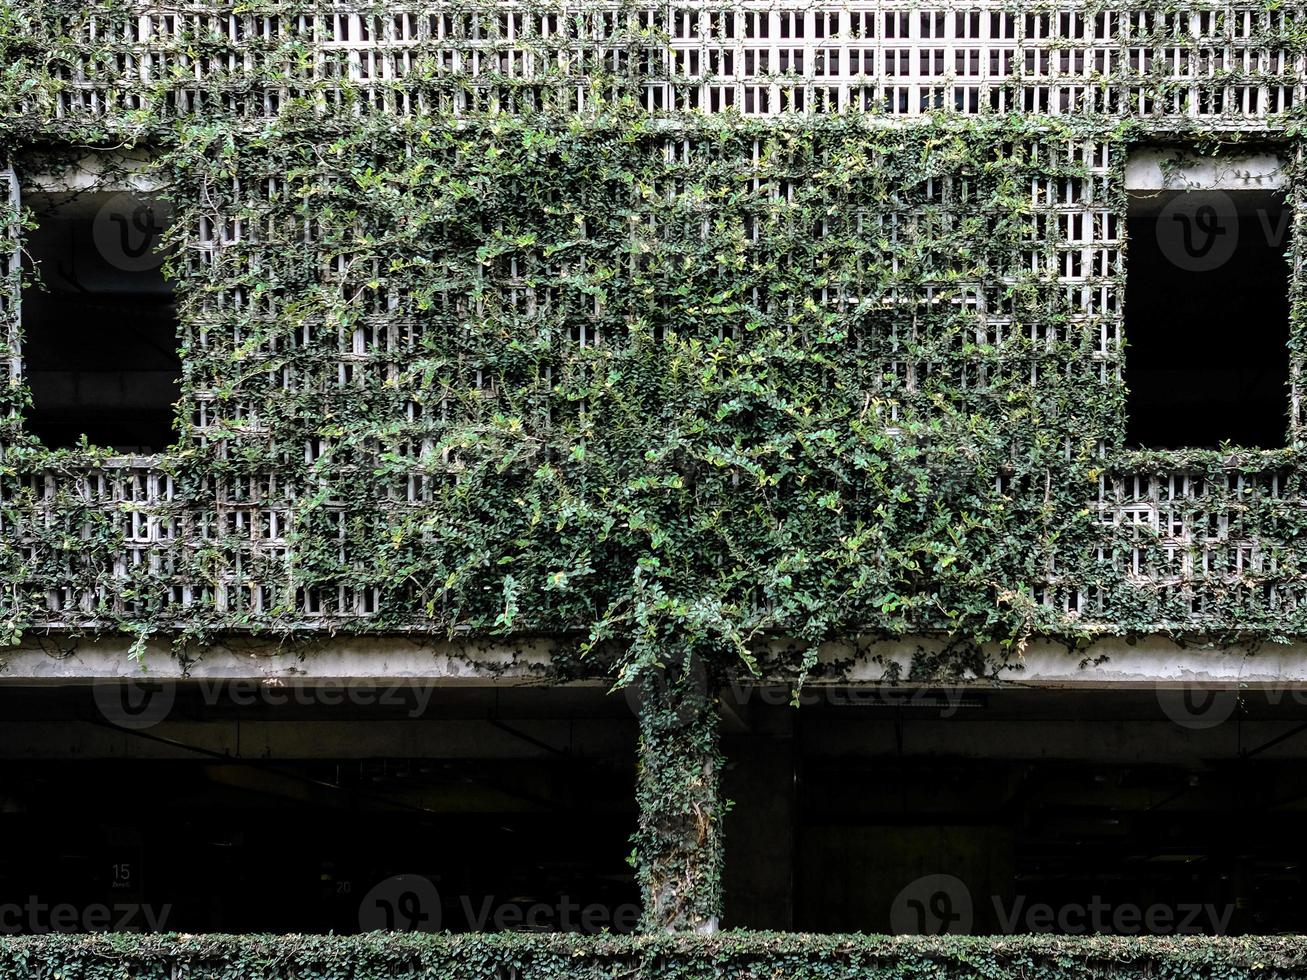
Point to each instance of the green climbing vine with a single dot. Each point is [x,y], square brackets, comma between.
[652,380]
[472,350]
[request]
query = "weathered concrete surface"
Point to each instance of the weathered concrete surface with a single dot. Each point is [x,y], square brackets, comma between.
[61,659]
[1108,664]
[1170,169]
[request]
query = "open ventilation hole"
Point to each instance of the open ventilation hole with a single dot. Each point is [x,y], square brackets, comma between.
[100,322]
[1207,319]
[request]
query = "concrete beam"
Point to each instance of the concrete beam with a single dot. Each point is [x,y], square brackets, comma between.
[1173,169]
[59,659]
[1108,664]
[111,170]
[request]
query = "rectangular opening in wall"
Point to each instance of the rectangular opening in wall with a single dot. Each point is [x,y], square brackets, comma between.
[99,322]
[961,810]
[1207,319]
[347,808]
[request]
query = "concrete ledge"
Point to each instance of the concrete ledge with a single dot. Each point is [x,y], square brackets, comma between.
[1108,664]
[1173,169]
[57,659]
[1114,663]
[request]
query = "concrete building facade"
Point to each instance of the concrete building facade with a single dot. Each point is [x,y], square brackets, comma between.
[855,449]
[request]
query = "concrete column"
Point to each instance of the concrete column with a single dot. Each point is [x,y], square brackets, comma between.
[678,842]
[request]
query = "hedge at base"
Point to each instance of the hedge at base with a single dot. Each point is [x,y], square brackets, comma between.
[729,956]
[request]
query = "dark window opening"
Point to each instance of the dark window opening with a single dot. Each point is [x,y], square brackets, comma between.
[100,323]
[1008,812]
[1207,319]
[256,808]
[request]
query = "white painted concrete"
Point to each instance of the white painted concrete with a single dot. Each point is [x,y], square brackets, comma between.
[1169,169]
[1149,662]
[63,660]
[1108,664]
[117,170]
